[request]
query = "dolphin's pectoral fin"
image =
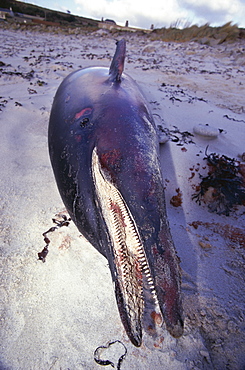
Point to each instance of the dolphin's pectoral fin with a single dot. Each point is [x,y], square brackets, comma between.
[131,271]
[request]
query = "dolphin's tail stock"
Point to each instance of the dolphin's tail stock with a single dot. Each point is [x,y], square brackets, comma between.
[117,64]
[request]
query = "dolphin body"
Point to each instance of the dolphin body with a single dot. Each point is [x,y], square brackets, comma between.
[105,156]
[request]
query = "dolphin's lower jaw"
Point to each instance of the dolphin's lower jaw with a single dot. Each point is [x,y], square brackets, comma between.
[134,286]
[127,252]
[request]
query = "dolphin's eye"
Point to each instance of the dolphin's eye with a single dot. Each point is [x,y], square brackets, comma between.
[83,116]
[84,121]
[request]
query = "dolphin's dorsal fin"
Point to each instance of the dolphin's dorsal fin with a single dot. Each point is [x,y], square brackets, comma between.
[117,64]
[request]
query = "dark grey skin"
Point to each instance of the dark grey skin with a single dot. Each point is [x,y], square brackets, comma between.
[105,156]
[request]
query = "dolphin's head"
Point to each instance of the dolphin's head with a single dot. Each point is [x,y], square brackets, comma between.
[91,114]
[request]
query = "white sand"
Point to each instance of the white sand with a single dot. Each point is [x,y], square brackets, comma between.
[55,314]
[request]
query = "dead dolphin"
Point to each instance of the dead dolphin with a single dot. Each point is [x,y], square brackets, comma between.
[104,153]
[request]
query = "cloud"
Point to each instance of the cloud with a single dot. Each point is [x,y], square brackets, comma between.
[216,12]
[142,13]
[137,12]
[162,13]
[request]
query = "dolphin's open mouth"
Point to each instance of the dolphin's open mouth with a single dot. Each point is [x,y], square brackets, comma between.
[131,268]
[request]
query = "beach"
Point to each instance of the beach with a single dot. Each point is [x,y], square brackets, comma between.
[54,315]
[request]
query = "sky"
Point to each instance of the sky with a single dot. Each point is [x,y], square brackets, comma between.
[160,13]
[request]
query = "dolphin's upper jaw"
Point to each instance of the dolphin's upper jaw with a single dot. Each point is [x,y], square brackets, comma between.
[130,265]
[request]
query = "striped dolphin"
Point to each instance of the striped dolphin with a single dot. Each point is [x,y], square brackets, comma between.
[105,156]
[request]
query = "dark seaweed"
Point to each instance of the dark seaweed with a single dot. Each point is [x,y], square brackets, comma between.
[99,350]
[233,119]
[59,223]
[42,255]
[28,76]
[177,136]
[225,179]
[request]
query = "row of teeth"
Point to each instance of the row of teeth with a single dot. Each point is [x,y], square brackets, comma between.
[139,248]
[127,255]
[124,253]
[127,241]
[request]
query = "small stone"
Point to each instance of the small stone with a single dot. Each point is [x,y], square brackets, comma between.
[162,138]
[205,245]
[206,130]
[176,200]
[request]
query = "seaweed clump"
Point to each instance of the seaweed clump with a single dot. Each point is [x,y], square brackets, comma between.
[176,136]
[224,187]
